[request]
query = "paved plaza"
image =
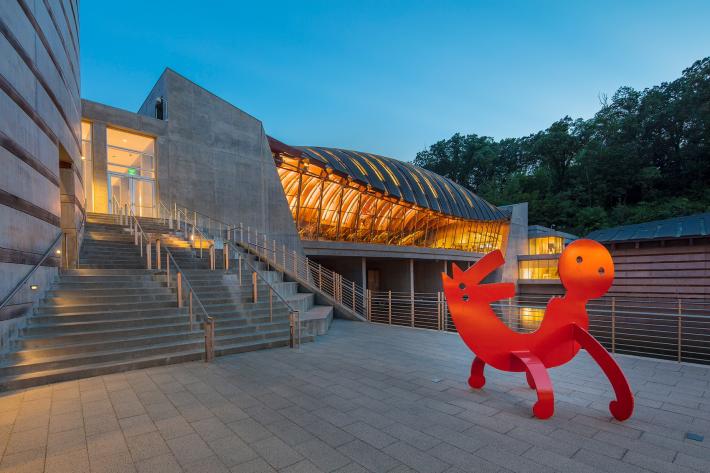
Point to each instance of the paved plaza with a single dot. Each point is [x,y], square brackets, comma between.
[363,398]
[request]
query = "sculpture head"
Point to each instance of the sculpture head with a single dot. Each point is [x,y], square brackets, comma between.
[586,269]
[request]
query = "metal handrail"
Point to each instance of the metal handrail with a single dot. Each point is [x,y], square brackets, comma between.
[186,281]
[272,290]
[24,280]
[195,229]
[208,328]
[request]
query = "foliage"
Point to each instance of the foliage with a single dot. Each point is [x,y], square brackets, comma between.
[645,155]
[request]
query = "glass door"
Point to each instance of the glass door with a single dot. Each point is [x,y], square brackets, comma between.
[137,193]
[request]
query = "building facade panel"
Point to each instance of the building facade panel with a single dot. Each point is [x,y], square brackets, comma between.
[39,135]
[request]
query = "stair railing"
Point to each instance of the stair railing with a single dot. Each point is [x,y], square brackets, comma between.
[348,294]
[294,316]
[180,219]
[51,249]
[186,293]
[129,218]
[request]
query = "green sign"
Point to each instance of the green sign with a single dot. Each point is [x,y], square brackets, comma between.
[132,171]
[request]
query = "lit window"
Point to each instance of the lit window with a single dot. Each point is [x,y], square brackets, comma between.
[538,269]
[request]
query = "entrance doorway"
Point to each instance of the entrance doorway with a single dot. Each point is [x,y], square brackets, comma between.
[137,193]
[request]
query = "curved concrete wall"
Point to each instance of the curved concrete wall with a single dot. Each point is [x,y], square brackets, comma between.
[41,187]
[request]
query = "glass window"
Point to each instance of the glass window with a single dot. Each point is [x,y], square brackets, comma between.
[129,153]
[552,245]
[538,269]
[87,165]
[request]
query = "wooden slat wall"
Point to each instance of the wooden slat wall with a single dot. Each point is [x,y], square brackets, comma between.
[676,268]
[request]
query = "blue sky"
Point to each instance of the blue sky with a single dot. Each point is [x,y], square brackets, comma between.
[392,77]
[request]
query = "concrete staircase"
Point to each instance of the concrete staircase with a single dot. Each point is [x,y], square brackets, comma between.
[109,315]
[114,315]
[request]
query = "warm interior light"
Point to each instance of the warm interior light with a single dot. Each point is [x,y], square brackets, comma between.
[83,158]
[34,287]
[59,252]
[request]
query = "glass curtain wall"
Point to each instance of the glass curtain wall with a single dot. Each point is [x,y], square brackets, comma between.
[327,206]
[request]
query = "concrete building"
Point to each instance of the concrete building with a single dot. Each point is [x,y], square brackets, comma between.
[384,223]
[42,179]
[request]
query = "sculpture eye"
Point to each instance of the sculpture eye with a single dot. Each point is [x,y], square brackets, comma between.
[601,271]
[579,259]
[465,297]
[462,286]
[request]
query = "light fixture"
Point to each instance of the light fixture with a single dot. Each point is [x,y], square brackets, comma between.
[34,287]
[59,252]
[83,158]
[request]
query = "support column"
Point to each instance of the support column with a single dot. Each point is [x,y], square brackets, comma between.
[411,288]
[364,281]
[100,157]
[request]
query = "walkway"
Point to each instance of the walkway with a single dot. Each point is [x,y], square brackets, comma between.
[362,398]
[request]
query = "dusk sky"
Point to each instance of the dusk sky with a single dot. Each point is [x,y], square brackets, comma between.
[392,77]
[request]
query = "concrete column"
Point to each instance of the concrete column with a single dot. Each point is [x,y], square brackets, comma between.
[411,275]
[364,280]
[100,166]
[445,271]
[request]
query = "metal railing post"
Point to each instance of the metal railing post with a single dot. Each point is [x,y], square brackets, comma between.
[389,307]
[353,295]
[225,251]
[293,320]
[189,311]
[613,324]
[680,330]
[179,289]
[148,259]
[167,268]
[239,267]
[254,290]
[271,306]
[209,339]
[411,299]
[295,263]
[212,258]
[158,262]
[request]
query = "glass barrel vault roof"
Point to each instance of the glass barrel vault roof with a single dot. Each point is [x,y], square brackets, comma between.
[404,181]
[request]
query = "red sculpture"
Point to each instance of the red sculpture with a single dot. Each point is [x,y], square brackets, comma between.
[586,271]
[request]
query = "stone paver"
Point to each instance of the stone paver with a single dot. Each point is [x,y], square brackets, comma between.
[363,398]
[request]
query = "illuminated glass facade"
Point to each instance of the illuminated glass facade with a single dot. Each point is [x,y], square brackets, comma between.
[548,245]
[340,195]
[538,269]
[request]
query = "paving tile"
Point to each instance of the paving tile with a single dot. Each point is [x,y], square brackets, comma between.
[276,452]
[137,425]
[304,466]
[73,461]
[25,461]
[147,445]
[370,435]
[66,441]
[249,430]
[460,458]
[27,440]
[160,464]
[232,450]
[415,458]
[368,456]
[254,466]
[206,465]
[211,428]
[113,463]
[189,448]
[322,455]
[107,443]
[597,459]
[174,427]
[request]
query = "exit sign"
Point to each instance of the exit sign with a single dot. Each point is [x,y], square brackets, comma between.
[132,171]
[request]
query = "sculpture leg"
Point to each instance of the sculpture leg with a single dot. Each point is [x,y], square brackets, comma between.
[477,380]
[623,406]
[537,372]
[530,380]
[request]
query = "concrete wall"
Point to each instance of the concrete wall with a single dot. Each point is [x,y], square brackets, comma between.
[40,125]
[218,160]
[516,244]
